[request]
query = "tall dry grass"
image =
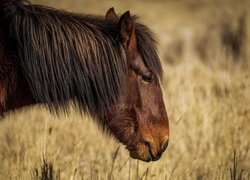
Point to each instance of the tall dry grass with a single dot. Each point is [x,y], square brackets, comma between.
[206,90]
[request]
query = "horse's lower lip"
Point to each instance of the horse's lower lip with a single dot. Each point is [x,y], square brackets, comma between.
[148,159]
[156,158]
[152,158]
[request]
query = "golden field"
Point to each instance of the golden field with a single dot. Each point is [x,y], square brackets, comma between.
[205,51]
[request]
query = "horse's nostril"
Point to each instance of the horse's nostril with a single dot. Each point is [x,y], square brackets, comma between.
[164,146]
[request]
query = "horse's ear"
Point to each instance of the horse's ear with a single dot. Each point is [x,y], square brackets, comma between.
[111,15]
[126,32]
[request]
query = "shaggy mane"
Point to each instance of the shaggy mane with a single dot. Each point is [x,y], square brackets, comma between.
[73,56]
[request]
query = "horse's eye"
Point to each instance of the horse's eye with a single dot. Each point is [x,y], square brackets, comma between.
[147,77]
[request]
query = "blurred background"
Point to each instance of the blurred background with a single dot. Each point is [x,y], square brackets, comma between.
[204,46]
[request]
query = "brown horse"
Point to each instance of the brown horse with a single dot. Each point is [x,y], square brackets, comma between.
[108,66]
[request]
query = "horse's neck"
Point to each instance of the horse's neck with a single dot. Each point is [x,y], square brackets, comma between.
[14,90]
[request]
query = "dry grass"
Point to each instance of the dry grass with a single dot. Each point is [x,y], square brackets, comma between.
[207,94]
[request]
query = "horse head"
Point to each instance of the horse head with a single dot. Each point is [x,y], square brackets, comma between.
[139,118]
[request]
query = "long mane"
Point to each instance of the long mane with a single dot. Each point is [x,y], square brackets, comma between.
[73,56]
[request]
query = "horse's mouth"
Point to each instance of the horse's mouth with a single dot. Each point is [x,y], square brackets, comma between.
[143,157]
[144,154]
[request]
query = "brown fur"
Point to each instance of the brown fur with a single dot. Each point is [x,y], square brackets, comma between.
[109,67]
[139,119]
[14,91]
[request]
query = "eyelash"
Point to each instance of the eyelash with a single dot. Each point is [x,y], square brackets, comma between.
[147,78]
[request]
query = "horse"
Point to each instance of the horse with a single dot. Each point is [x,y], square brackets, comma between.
[105,66]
